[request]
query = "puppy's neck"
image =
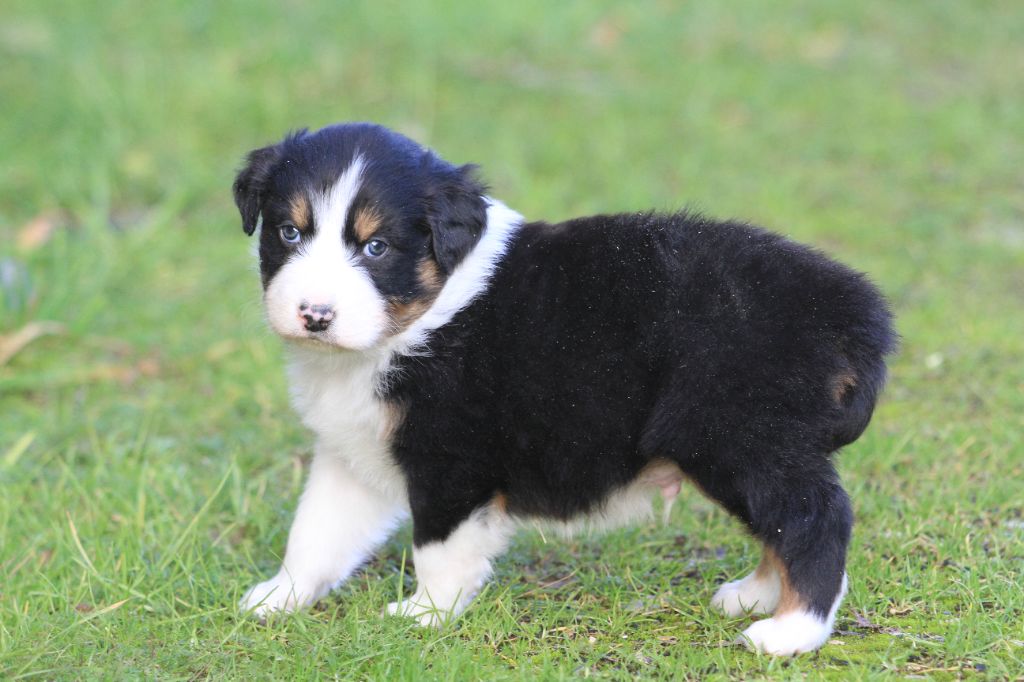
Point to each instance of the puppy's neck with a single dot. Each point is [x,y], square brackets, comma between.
[469,279]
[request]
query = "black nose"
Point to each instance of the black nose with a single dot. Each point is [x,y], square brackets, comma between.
[317,317]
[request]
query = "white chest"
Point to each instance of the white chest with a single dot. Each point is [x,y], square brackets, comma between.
[334,395]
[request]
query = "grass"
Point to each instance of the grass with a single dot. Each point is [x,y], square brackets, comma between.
[149,461]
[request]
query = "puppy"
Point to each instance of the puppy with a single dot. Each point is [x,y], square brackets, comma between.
[473,370]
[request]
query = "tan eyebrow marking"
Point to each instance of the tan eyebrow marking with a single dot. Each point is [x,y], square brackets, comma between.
[367,222]
[299,211]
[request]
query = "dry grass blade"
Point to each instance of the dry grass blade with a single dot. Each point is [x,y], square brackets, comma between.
[12,344]
[39,230]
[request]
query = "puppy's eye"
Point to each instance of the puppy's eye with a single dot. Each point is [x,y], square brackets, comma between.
[290,234]
[375,248]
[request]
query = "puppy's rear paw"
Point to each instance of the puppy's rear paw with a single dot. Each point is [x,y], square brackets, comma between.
[749,595]
[796,632]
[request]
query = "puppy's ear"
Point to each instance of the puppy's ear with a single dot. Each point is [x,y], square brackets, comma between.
[457,213]
[250,185]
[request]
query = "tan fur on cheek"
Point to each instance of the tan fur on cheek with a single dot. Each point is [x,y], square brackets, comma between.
[429,275]
[404,313]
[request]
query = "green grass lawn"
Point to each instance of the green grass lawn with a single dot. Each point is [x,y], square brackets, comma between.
[149,461]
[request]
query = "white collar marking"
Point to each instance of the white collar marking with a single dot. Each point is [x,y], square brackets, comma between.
[469,279]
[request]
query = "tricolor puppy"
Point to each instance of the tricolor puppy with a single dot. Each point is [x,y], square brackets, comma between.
[473,370]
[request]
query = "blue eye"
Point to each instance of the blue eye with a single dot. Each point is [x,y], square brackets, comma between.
[290,234]
[375,248]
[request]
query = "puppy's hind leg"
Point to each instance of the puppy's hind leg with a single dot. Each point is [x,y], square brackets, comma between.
[807,529]
[803,517]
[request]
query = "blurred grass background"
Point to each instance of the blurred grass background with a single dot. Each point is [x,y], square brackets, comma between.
[149,462]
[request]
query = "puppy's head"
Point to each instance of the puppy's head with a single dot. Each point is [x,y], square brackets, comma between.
[360,228]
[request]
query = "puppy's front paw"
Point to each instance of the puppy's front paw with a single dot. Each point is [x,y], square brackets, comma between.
[427,615]
[749,595]
[279,593]
[796,632]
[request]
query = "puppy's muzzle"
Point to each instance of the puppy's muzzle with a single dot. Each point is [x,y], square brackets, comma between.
[316,317]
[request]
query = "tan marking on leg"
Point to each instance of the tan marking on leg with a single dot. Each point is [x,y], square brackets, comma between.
[766,569]
[790,599]
[367,223]
[299,211]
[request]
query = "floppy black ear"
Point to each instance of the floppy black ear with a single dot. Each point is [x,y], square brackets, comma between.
[251,183]
[457,214]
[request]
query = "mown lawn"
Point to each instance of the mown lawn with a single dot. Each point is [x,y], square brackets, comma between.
[149,461]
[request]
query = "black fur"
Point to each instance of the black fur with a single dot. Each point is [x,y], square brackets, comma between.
[250,185]
[601,344]
[457,214]
[605,342]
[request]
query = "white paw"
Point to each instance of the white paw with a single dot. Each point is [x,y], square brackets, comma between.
[750,595]
[796,632]
[279,593]
[427,615]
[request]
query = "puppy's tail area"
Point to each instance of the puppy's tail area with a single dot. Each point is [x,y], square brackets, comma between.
[856,387]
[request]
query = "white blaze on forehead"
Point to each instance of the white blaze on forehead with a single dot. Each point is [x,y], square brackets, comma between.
[326,271]
[331,208]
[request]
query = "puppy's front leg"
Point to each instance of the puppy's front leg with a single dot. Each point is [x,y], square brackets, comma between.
[339,522]
[452,567]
